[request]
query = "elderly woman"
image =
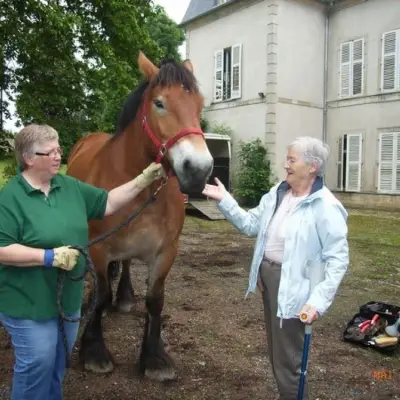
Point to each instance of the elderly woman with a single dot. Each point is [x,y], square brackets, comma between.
[42,213]
[298,224]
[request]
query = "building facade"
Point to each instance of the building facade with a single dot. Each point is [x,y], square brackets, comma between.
[278,69]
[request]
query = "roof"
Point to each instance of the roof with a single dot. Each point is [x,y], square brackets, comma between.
[199,8]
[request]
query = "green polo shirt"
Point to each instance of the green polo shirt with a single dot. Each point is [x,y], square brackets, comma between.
[28,218]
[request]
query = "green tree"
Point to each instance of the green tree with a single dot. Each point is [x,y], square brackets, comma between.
[166,33]
[71,63]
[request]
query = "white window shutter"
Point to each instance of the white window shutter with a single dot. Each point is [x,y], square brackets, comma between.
[358,67]
[386,155]
[340,164]
[354,162]
[397,161]
[218,74]
[345,69]
[236,71]
[390,60]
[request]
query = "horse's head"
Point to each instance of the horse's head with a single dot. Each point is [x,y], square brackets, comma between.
[171,118]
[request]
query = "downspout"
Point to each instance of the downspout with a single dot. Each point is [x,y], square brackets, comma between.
[325,110]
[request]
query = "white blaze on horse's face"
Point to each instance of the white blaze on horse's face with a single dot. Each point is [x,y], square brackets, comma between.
[192,162]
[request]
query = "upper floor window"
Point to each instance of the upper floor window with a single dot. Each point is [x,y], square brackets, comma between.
[351,80]
[390,75]
[227,73]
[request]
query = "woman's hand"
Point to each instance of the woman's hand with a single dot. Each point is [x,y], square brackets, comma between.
[62,257]
[311,312]
[215,192]
[149,175]
[122,195]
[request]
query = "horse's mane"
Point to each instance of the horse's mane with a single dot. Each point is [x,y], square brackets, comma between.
[170,73]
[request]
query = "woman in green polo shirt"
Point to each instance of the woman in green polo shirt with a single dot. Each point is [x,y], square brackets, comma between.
[41,214]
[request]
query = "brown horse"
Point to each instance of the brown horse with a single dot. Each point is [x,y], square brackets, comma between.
[160,120]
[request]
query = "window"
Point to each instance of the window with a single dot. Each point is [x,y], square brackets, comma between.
[349,162]
[389,163]
[227,73]
[390,78]
[351,68]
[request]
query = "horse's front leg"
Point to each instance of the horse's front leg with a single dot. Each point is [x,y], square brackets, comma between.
[93,352]
[154,361]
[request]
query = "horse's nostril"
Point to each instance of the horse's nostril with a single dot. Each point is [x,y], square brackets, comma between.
[187,165]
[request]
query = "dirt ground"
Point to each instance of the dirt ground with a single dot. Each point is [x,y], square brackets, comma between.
[217,337]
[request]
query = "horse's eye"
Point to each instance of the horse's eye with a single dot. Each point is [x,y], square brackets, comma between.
[158,104]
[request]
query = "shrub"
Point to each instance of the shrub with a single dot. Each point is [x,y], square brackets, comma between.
[5,145]
[221,128]
[204,124]
[254,173]
[10,170]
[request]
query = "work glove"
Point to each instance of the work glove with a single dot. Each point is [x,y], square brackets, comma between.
[149,175]
[61,257]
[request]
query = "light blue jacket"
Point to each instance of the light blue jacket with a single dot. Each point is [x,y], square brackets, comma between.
[317,234]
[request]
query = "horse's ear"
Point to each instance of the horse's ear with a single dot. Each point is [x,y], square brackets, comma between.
[146,66]
[188,65]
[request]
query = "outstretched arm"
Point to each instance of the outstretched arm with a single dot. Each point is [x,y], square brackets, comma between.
[246,222]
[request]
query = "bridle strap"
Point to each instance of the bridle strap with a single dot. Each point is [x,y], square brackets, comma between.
[162,148]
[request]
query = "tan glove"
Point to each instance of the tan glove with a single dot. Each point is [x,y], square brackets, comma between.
[65,258]
[149,175]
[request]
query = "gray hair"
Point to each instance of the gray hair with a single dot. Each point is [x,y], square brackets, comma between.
[312,150]
[28,139]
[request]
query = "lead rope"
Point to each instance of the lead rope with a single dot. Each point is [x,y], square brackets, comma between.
[89,268]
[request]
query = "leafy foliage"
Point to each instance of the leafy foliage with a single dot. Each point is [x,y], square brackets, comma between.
[166,33]
[71,63]
[221,128]
[5,145]
[204,124]
[254,172]
[10,170]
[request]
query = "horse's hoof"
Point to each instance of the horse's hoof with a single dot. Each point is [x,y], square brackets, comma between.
[161,375]
[102,368]
[124,307]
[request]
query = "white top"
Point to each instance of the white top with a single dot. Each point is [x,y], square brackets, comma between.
[278,226]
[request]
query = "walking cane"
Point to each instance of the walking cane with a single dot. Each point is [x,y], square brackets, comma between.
[316,274]
[306,348]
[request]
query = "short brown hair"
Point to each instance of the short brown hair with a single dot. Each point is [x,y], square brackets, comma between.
[28,138]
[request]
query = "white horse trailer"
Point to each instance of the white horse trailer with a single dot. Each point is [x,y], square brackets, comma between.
[220,149]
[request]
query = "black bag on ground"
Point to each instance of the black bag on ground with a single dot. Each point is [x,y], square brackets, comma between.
[383,314]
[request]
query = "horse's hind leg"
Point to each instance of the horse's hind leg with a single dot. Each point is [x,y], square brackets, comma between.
[125,293]
[93,352]
[154,361]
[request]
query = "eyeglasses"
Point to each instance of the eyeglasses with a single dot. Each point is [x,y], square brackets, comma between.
[51,153]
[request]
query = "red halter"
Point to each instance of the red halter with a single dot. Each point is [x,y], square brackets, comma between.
[161,147]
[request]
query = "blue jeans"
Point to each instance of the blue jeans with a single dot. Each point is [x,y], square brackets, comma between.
[39,367]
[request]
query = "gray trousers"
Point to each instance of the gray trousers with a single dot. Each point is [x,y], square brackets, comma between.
[285,345]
